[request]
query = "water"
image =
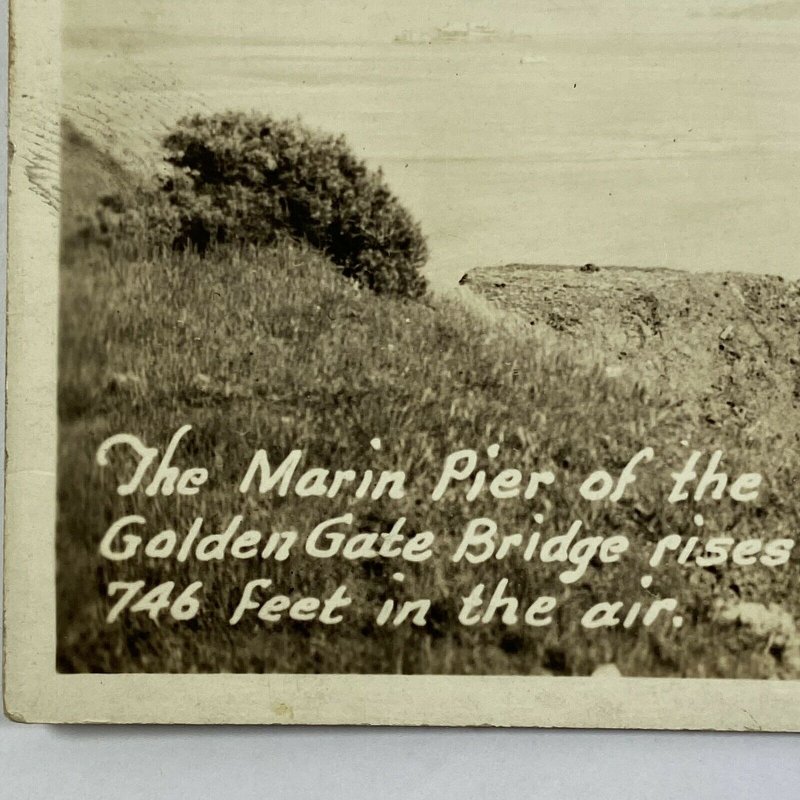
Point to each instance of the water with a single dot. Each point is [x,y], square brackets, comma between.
[672,151]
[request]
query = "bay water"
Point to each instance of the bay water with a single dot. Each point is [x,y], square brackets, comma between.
[671,151]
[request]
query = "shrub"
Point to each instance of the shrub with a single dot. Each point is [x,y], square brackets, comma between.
[250,179]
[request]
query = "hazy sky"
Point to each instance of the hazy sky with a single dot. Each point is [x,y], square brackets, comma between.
[379,19]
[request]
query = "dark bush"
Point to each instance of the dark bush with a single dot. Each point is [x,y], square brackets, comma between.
[250,179]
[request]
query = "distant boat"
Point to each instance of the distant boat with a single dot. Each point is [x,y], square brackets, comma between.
[458,33]
[467,32]
[412,37]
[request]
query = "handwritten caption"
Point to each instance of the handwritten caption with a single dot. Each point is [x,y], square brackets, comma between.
[158,475]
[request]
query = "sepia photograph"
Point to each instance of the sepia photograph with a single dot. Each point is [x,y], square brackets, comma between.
[454,338]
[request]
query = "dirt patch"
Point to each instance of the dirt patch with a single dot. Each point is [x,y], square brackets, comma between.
[729,342]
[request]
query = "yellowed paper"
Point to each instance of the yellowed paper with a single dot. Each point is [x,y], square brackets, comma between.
[408,365]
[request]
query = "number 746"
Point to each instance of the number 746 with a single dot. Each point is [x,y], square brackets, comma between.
[153,602]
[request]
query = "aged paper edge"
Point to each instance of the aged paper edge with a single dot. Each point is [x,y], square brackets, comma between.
[35,692]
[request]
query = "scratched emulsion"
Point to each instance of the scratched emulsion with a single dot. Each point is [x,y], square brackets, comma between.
[42,156]
[128,115]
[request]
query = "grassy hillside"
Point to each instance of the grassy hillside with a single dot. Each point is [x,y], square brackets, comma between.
[273,349]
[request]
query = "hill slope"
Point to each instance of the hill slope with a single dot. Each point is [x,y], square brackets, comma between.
[274,349]
[727,343]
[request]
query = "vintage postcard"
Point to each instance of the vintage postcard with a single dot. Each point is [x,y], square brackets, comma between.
[433,363]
